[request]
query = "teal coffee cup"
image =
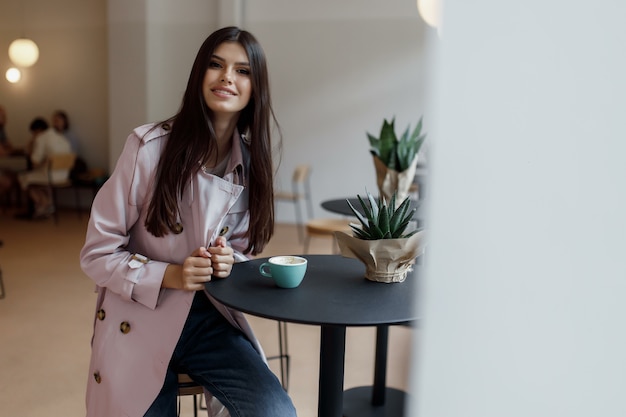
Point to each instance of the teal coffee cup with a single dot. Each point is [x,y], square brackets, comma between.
[287,271]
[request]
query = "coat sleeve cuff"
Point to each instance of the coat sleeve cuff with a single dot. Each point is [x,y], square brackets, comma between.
[143,283]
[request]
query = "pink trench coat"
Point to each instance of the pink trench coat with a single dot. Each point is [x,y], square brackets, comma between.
[137,323]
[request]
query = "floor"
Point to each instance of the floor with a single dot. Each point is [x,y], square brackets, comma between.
[46,318]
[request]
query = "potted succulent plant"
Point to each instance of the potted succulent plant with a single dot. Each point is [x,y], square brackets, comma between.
[395,159]
[385,240]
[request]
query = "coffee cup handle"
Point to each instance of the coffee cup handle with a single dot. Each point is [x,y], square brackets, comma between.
[262,269]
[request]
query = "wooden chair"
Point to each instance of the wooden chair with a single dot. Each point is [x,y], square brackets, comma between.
[57,162]
[325,228]
[300,194]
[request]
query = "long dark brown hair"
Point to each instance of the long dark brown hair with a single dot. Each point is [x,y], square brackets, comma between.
[193,139]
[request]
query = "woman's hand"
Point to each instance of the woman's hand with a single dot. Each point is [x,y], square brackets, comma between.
[222,258]
[199,267]
[192,274]
[197,270]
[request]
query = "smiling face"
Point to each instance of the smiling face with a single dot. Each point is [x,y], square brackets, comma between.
[227,86]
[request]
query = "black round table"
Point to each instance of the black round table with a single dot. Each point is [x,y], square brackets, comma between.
[334,294]
[340,206]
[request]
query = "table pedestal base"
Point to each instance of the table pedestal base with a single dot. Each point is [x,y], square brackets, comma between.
[357,402]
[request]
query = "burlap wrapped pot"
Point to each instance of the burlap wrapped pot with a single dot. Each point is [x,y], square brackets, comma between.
[386,260]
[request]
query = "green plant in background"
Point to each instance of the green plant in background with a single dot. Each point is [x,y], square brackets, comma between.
[397,154]
[382,221]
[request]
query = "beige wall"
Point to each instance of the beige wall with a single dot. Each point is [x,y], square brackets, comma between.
[337,69]
[71,73]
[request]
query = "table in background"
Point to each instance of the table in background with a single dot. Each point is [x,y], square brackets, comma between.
[14,164]
[340,206]
[334,294]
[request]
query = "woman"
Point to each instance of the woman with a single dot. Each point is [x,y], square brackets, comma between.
[189,197]
[61,123]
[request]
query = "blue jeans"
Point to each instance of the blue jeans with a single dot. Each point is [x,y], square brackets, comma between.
[220,357]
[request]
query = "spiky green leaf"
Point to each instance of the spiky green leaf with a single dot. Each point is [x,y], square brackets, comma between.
[397,153]
[398,216]
[374,205]
[358,214]
[388,223]
[358,233]
[404,223]
[383,221]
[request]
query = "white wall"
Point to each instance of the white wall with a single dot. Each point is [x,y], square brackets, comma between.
[337,70]
[523,302]
[152,45]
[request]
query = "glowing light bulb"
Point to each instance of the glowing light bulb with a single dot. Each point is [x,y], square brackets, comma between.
[13,75]
[430,10]
[23,52]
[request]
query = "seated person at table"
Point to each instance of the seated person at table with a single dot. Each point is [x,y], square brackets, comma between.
[45,142]
[61,123]
[189,196]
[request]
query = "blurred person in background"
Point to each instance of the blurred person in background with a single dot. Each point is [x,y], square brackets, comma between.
[44,143]
[61,123]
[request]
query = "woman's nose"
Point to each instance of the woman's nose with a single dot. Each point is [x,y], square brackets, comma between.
[227,77]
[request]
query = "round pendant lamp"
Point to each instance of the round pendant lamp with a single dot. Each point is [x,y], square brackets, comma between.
[13,75]
[430,11]
[23,52]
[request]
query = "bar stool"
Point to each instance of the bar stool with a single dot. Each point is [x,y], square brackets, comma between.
[187,386]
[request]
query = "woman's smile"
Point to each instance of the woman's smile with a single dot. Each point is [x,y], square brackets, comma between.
[227,86]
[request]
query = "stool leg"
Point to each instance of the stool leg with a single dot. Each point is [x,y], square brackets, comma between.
[283,353]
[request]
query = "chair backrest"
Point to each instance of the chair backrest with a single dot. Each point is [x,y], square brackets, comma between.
[301,173]
[61,161]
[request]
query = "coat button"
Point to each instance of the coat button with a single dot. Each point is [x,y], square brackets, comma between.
[96,376]
[125,327]
[101,314]
[224,230]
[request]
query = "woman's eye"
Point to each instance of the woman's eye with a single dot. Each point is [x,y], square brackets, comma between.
[243,71]
[214,64]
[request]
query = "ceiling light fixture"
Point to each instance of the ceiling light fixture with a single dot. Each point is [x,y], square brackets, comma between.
[13,75]
[23,52]
[430,10]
